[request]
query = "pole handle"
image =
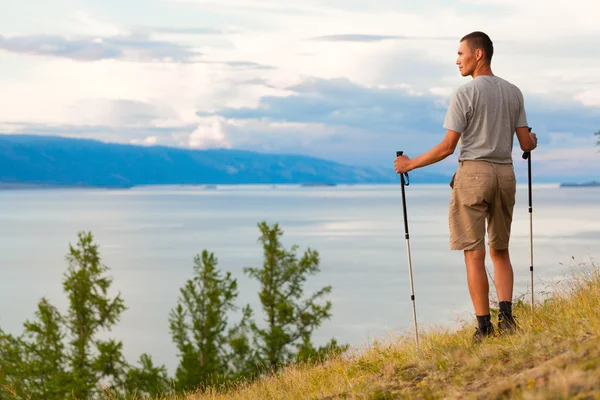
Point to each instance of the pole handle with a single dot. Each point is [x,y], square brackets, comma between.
[527,153]
[405,174]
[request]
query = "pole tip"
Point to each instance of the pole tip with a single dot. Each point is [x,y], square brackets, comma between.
[399,153]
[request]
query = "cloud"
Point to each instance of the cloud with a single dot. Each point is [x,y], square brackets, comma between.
[338,118]
[186,31]
[583,162]
[121,112]
[590,97]
[396,108]
[253,6]
[344,144]
[148,141]
[399,65]
[240,64]
[136,47]
[374,38]
[210,133]
[169,135]
[566,116]
[342,102]
[50,45]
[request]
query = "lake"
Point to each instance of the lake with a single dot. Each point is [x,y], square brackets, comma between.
[148,237]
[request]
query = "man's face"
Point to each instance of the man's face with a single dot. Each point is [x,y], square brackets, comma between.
[467,60]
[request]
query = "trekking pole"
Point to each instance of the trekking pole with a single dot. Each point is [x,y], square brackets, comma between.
[527,156]
[406,235]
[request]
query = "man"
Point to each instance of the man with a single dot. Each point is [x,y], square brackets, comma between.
[484,113]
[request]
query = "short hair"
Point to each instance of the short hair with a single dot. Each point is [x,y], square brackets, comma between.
[479,40]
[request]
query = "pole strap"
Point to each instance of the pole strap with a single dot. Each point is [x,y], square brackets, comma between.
[407,181]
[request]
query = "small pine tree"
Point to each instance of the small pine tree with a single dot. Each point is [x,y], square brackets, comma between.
[11,355]
[148,380]
[90,310]
[60,356]
[33,364]
[290,318]
[199,325]
[308,354]
[242,357]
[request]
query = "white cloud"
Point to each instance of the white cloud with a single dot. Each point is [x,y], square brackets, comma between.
[210,133]
[540,19]
[82,22]
[150,140]
[590,97]
[65,92]
[574,155]
[9,128]
[444,92]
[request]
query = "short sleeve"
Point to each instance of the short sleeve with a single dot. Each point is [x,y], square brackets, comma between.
[522,117]
[459,112]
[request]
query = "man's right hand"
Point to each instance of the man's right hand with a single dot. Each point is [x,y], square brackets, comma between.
[527,140]
[533,139]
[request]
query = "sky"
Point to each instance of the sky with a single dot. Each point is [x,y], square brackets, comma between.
[345,80]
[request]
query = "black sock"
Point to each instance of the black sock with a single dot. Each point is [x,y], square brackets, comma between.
[485,322]
[506,309]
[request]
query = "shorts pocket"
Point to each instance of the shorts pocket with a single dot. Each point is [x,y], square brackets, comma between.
[507,178]
[468,180]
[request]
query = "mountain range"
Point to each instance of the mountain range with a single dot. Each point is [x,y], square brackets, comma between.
[35,160]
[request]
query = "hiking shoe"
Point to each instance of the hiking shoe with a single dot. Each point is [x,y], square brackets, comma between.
[507,325]
[481,334]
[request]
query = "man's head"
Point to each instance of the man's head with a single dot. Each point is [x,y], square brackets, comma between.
[474,52]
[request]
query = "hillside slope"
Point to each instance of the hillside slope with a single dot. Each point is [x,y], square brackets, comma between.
[555,356]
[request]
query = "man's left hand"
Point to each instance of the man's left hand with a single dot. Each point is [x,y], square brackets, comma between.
[402,164]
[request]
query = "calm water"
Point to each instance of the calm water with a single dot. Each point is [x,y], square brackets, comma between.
[148,238]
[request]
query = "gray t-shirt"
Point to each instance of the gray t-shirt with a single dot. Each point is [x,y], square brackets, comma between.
[486,112]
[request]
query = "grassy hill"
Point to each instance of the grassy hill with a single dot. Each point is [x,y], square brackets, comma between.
[555,356]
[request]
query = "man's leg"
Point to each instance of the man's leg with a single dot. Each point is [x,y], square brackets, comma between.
[468,209]
[503,274]
[479,289]
[499,227]
[504,278]
[478,281]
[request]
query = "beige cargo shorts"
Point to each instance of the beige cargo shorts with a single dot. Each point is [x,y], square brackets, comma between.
[481,192]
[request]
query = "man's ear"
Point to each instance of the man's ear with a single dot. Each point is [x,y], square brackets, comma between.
[479,54]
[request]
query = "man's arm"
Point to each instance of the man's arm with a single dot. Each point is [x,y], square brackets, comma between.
[442,150]
[527,141]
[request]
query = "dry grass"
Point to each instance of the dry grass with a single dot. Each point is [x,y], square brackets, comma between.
[555,356]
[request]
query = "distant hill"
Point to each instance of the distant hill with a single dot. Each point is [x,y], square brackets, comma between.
[57,161]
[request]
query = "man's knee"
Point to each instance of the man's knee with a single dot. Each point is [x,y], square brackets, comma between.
[498,253]
[475,255]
